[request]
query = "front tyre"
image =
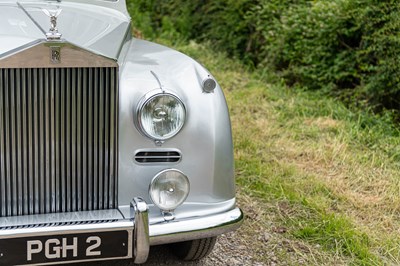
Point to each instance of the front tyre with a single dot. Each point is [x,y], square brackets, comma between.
[194,249]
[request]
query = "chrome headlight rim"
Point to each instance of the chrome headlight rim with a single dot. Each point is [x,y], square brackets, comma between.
[148,98]
[156,178]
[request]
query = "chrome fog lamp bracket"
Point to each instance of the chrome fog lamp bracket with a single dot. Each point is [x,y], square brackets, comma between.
[141,239]
[168,215]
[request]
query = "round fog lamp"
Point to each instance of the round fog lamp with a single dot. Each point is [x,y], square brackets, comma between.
[169,189]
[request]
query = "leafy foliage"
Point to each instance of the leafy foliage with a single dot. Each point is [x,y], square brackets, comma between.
[347,48]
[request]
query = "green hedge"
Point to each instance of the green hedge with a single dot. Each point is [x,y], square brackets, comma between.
[349,48]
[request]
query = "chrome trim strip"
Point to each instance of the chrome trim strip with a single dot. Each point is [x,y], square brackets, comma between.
[126,39]
[39,55]
[195,228]
[31,18]
[60,218]
[67,229]
[19,49]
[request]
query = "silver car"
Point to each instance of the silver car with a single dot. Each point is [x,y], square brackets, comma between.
[108,144]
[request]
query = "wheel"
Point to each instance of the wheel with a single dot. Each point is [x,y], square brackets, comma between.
[194,249]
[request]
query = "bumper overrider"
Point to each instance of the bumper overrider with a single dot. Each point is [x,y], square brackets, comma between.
[101,235]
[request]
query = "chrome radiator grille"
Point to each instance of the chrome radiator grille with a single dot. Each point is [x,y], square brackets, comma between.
[58,140]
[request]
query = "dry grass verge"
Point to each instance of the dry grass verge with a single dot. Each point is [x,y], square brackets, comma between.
[319,183]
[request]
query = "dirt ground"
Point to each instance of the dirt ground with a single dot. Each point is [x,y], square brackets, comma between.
[228,251]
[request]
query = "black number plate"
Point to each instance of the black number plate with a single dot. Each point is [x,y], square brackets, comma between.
[61,248]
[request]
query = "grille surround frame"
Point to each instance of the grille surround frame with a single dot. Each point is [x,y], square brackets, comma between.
[58,148]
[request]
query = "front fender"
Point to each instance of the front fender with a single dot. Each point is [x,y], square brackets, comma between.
[205,141]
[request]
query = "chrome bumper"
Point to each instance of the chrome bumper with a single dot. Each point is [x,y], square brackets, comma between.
[141,234]
[178,230]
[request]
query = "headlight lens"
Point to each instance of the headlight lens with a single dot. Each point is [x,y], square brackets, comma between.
[161,116]
[169,189]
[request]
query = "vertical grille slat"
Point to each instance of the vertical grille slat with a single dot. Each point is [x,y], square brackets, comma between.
[57,143]
[106,143]
[68,141]
[73,140]
[90,141]
[35,143]
[47,142]
[24,130]
[62,141]
[113,139]
[19,163]
[30,98]
[14,148]
[84,140]
[8,152]
[95,140]
[42,143]
[2,146]
[58,140]
[53,155]
[101,143]
[78,141]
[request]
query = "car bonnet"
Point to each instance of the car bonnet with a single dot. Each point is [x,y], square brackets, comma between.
[96,28]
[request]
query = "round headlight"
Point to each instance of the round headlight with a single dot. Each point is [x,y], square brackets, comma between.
[169,189]
[161,116]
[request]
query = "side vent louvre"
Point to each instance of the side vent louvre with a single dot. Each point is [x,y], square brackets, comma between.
[148,157]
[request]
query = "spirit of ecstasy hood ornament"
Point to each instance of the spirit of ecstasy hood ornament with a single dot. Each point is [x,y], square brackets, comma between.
[53,33]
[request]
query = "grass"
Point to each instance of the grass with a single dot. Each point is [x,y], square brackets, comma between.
[319,179]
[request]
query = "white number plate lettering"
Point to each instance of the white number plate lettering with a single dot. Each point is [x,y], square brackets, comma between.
[63,248]
[56,249]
